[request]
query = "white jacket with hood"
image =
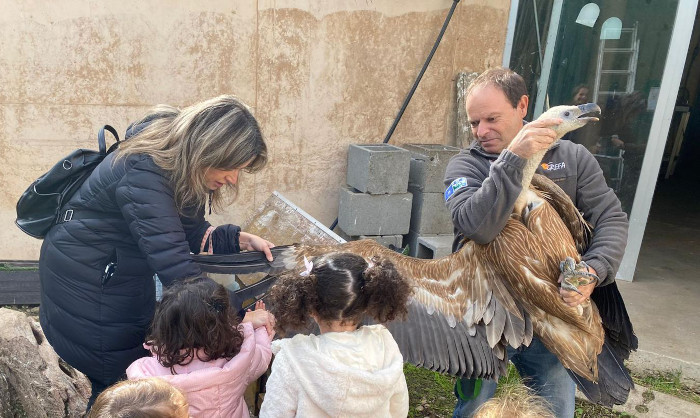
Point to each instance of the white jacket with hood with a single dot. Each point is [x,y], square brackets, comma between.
[337,374]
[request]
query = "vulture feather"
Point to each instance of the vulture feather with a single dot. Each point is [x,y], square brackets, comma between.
[466,308]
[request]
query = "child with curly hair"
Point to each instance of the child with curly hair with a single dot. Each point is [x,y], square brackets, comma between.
[199,346]
[145,398]
[348,370]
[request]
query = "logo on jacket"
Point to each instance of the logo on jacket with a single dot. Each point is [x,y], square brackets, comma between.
[553,166]
[454,186]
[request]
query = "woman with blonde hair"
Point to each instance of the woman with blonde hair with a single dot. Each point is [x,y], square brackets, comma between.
[141,212]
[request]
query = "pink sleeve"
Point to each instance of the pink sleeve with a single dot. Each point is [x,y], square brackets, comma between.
[255,350]
[263,353]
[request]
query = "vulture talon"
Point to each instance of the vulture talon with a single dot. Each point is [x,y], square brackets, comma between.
[575,275]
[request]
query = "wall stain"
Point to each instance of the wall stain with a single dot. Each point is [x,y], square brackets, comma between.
[320,84]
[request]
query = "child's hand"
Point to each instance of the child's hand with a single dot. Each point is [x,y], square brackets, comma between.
[261,318]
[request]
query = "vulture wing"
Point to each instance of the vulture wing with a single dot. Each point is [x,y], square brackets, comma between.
[611,383]
[461,315]
[579,229]
[619,331]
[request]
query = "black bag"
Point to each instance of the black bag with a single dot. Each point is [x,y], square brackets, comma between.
[39,207]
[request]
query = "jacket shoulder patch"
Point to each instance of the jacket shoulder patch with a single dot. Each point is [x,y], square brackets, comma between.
[456,184]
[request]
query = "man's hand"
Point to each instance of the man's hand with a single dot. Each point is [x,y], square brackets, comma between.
[574,299]
[534,137]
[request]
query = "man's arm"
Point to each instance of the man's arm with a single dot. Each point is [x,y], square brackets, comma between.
[601,208]
[480,197]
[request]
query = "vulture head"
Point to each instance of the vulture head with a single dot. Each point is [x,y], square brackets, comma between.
[573,117]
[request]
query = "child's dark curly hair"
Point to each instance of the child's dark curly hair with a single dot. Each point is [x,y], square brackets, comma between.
[194,314]
[340,287]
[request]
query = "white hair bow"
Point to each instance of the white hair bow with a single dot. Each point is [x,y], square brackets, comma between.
[309,265]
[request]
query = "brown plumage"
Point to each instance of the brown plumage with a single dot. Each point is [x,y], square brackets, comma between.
[469,306]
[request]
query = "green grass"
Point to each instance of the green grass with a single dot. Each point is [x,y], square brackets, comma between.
[5,267]
[432,395]
[669,383]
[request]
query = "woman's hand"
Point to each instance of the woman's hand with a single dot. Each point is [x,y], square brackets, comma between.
[261,318]
[250,242]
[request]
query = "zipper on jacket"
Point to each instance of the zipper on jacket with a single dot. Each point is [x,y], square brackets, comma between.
[110,268]
[108,273]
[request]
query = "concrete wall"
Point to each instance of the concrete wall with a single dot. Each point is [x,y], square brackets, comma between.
[319,75]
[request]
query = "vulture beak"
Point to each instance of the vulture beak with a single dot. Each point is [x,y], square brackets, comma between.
[589,112]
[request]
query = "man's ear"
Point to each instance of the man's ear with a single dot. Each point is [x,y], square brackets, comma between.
[522,105]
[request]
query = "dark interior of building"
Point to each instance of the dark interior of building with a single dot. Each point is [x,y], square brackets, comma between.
[673,217]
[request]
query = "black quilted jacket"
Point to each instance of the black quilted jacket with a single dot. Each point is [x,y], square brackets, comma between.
[97,287]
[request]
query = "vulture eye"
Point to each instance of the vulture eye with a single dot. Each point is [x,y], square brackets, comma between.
[567,114]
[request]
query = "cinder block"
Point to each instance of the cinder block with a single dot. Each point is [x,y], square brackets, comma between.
[385,240]
[369,214]
[428,164]
[429,214]
[411,239]
[378,168]
[434,247]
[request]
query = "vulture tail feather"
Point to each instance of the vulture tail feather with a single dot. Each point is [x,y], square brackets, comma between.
[614,381]
[616,321]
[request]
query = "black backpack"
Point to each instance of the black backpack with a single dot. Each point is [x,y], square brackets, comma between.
[39,207]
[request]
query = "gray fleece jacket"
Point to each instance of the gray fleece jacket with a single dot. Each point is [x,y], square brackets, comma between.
[481,189]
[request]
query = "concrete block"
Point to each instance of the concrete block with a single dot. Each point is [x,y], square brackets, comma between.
[378,168]
[429,214]
[428,164]
[411,239]
[434,246]
[385,240]
[369,214]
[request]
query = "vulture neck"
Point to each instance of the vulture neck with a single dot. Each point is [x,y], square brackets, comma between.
[528,172]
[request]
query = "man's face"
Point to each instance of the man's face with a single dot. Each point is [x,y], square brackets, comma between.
[493,120]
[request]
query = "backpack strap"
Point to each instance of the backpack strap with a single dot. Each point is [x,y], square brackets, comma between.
[68,215]
[102,144]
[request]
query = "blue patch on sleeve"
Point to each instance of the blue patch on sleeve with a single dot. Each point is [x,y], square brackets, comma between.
[454,186]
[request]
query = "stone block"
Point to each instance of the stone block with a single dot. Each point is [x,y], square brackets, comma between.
[434,246]
[378,168]
[429,214]
[369,214]
[411,239]
[428,164]
[385,240]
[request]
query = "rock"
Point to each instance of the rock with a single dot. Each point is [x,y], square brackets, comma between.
[34,381]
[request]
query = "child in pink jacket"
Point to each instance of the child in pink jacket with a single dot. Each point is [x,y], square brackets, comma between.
[199,347]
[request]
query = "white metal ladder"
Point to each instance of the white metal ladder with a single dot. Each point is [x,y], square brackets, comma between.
[608,54]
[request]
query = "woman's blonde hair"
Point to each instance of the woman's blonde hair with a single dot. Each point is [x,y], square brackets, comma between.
[219,133]
[144,398]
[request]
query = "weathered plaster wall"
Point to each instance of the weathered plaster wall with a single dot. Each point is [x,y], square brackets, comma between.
[319,75]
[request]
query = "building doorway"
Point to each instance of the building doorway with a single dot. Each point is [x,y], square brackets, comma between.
[623,56]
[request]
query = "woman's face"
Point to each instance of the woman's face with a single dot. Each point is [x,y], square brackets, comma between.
[216,178]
